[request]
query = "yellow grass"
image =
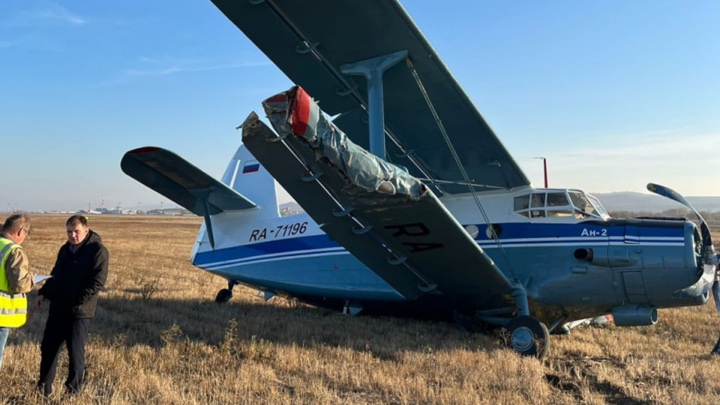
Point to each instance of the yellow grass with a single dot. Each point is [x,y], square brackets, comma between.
[159,338]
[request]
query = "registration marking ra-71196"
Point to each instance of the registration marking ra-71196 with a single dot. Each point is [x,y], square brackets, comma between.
[280,231]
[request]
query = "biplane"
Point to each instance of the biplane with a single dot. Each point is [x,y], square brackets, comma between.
[411,202]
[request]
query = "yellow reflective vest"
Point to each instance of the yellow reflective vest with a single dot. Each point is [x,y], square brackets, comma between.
[13,307]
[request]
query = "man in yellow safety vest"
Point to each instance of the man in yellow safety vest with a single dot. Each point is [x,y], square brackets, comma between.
[15,276]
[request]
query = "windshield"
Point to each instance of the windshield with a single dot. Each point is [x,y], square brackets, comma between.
[598,207]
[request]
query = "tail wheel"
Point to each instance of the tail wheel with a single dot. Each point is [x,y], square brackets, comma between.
[223,296]
[528,336]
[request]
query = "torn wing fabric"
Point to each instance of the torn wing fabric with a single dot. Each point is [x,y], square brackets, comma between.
[295,112]
[379,213]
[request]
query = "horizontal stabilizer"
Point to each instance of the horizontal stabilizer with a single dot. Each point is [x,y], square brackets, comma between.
[181,182]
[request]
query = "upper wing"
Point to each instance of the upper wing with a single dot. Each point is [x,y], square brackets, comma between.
[181,182]
[385,217]
[309,41]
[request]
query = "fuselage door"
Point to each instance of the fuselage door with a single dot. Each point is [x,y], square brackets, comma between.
[632,234]
[634,287]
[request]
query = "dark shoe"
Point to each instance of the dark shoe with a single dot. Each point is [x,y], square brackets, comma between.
[44,389]
[70,390]
[75,387]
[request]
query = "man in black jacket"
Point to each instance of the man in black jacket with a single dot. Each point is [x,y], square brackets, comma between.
[79,275]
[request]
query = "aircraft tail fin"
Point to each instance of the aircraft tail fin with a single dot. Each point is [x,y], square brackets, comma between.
[182,182]
[246,175]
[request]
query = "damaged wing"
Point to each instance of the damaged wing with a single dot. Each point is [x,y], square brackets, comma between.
[381,214]
[311,41]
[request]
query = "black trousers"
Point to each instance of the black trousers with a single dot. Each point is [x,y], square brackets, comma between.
[73,332]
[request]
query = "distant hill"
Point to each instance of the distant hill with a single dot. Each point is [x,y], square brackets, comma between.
[626,201]
[639,202]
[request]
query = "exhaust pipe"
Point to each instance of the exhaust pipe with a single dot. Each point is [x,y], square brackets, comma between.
[596,258]
[584,254]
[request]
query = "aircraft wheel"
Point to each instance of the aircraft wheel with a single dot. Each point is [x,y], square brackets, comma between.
[223,296]
[528,336]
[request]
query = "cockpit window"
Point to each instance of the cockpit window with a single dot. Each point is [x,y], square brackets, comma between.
[573,204]
[556,199]
[537,213]
[522,202]
[599,209]
[537,200]
[583,207]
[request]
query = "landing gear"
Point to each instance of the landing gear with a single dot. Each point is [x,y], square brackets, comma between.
[528,336]
[225,294]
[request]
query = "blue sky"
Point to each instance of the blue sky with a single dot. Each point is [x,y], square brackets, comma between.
[614,93]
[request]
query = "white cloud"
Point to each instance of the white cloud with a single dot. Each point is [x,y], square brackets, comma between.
[42,14]
[55,12]
[654,147]
[168,66]
[163,66]
[679,159]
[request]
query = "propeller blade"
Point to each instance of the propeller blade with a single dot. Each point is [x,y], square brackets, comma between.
[709,255]
[671,194]
[704,229]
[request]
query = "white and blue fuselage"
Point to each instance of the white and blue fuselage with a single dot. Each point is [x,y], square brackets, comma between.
[560,244]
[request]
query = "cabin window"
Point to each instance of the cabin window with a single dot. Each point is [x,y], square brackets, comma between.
[537,200]
[557,200]
[537,214]
[522,202]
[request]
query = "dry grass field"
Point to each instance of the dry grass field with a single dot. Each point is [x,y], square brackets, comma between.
[159,338]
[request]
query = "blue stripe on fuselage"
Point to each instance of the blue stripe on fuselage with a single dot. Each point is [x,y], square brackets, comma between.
[305,244]
[511,234]
[528,230]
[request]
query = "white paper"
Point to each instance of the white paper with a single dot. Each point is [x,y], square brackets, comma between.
[40,279]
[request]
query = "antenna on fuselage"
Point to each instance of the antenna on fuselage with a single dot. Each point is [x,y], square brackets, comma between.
[544,169]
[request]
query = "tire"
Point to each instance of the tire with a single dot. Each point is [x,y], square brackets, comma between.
[223,296]
[528,336]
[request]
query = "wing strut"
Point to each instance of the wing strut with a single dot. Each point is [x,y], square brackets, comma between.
[373,70]
[519,292]
[203,205]
[431,253]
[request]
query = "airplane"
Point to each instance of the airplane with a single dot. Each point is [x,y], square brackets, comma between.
[411,202]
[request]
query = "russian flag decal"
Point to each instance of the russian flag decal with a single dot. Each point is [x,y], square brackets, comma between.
[251,167]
